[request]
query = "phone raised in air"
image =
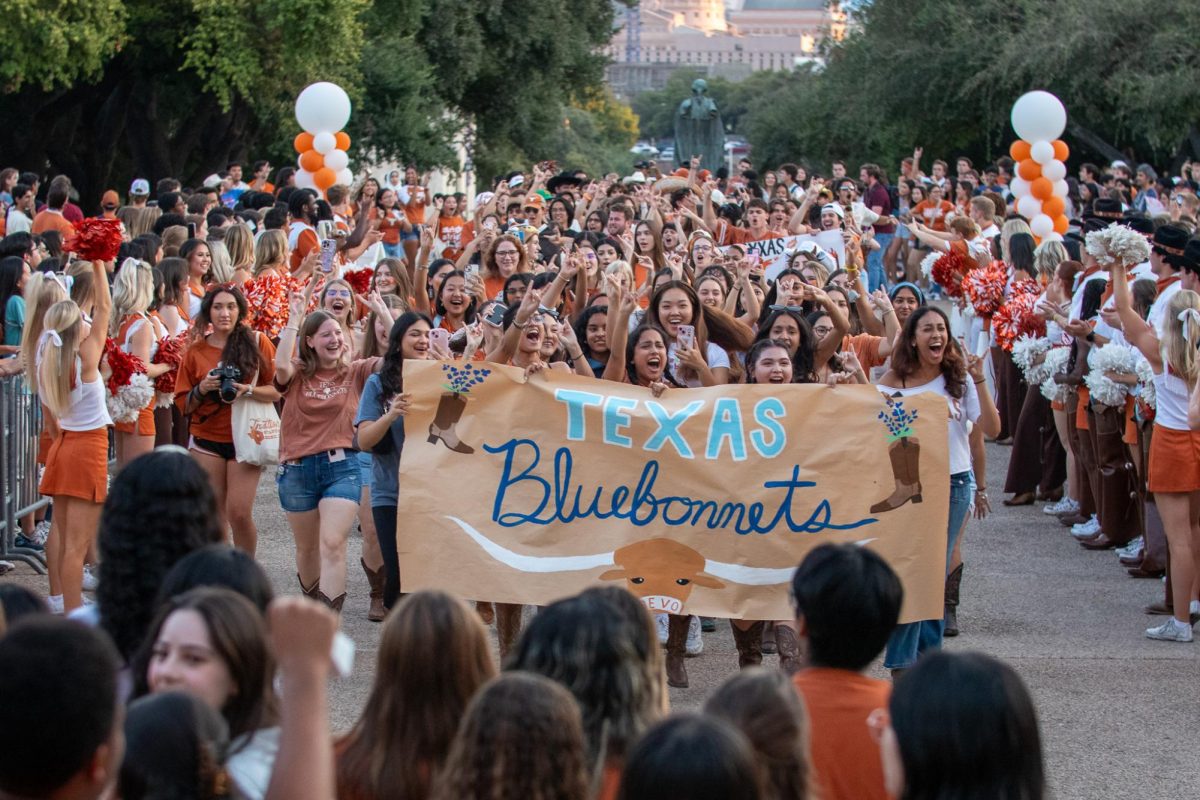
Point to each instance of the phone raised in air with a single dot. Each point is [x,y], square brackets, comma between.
[686,339]
[440,338]
[328,251]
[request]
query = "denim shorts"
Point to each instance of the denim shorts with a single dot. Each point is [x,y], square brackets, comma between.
[305,482]
[366,464]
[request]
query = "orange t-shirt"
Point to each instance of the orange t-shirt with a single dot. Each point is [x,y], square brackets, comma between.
[306,242]
[933,216]
[53,221]
[213,419]
[451,230]
[389,226]
[414,209]
[845,756]
[731,235]
[318,413]
[866,348]
[494,286]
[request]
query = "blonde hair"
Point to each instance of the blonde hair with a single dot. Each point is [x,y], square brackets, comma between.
[173,238]
[139,220]
[56,365]
[399,273]
[270,251]
[623,269]
[1179,352]
[371,346]
[42,290]
[132,292]
[820,269]
[1046,258]
[221,267]
[1006,232]
[239,241]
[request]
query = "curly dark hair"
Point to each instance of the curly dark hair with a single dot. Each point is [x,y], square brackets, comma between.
[169,490]
[906,362]
[804,367]
[241,348]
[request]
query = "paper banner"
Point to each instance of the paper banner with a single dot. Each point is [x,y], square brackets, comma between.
[701,501]
[774,253]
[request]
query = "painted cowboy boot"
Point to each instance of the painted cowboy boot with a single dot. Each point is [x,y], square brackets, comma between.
[905,455]
[449,412]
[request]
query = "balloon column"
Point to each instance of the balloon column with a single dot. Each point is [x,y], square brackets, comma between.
[1040,185]
[322,110]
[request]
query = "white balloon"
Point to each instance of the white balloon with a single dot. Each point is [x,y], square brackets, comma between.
[324,142]
[1036,116]
[1054,170]
[304,179]
[1053,237]
[323,106]
[1061,188]
[1029,206]
[345,177]
[1018,186]
[336,160]
[1042,226]
[1042,152]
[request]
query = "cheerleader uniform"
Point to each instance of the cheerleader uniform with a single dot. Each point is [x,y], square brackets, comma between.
[1174,447]
[144,425]
[77,464]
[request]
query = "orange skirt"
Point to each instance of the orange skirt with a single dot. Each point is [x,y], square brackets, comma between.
[1056,405]
[77,466]
[45,441]
[1174,460]
[143,426]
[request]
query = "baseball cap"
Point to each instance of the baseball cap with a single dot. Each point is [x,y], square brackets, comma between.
[110,200]
[140,187]
[534,200]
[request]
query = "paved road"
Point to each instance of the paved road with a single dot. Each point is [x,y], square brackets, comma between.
[1119,713]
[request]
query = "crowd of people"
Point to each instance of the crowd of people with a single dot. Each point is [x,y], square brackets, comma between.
[267,302]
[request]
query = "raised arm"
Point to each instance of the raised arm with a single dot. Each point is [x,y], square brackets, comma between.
[92,347]
[1137,331]
[508,343]
[618,334]
[841,326]
[284,369]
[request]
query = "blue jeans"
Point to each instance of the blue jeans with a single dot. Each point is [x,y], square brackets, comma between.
[876,274]
[305,482]
[393,250]
[913,638]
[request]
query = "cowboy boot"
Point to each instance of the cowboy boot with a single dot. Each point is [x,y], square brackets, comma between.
[789,649]
[905,455]
[485,612]
[335,603]
[375,581]
[449,411]
[677,631]
[508,626]
[953,582]
[749,643]
[769,647]
[310,592]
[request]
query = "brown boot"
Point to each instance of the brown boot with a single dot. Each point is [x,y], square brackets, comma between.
[789,649]
[769,647]
[905,455]
[953,582]
[310,592]
[749,643]
[485,612]
[677,632]
[449,411]
[335,603]
[508,626]
[375,581]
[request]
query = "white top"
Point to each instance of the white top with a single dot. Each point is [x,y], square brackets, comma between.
[157,331]
[714,355]
[1077,296]
[1158,310]
[17,221]
[88,409]
[250,767]
[1170,401]
[963,414]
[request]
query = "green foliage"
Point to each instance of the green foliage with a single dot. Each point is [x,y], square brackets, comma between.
[48,44]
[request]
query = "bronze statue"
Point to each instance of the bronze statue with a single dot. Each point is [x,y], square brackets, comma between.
[698,129]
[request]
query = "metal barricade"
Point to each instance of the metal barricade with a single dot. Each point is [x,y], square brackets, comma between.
[20,423]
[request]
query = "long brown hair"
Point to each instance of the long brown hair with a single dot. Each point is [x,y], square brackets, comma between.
[433,657]
[521,737]
[906,362]
[711,324]
[241,348]
[309,362]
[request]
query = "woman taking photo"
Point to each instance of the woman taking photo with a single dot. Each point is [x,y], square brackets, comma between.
[138,333]
[706,362]
[319,480]
[76,475]
[928,359]
[225,361]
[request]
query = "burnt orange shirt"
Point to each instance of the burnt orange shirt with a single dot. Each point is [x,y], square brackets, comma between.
[213,420]
[319,410]
[866,348]
[845,756]
[53,221]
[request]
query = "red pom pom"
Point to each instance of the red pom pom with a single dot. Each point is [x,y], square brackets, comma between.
[96,239]
[949,271]
[359,280]
[1017,317]
[122,366]
[984,288]
[170,351]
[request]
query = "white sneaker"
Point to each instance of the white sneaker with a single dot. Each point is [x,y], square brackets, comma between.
[1171,631]
[1132,550]
[90,581]
[695,643]
[1064,506]
[662,625]
[1086,530]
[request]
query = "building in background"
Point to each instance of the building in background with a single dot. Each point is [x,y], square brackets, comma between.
[728,40]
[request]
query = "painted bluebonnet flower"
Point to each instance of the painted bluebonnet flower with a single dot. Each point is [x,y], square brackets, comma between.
[898,420]
[461,380]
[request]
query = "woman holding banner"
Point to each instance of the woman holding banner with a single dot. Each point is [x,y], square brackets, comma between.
[927,358]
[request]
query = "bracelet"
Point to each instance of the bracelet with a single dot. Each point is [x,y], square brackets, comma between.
[977,383]
[520,325]
[576,356]
[982,493]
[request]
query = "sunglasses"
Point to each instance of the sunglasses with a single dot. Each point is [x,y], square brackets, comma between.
[344,293]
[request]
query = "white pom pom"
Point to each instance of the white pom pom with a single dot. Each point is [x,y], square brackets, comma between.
[1101,360]
[1146,388]
[1025,352]
[928,261]
[1055,364]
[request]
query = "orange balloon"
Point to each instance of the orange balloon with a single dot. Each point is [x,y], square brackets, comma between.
[1061,224]
[311,160]
[1054,207]
[303,142]
[324,178]
[1061,151]
[343,140]
[1029,169]
[1019,150]
[1042,188]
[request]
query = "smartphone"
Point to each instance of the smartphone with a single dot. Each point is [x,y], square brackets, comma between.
[686,339]
[472,271]
[439,338]
[191,230]
[325,229]
[496,315]
[328,250]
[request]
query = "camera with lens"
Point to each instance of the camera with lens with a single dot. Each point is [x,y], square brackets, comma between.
[229,374]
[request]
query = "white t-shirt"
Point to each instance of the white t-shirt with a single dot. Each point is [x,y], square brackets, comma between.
[714,355]
[963,414]
[1158,310]
[18,221]
[250,767]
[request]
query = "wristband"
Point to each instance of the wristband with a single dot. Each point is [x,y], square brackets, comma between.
[977,383]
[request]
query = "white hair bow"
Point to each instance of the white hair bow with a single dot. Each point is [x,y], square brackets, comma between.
[1189,317]
[48,335]
[129,262]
